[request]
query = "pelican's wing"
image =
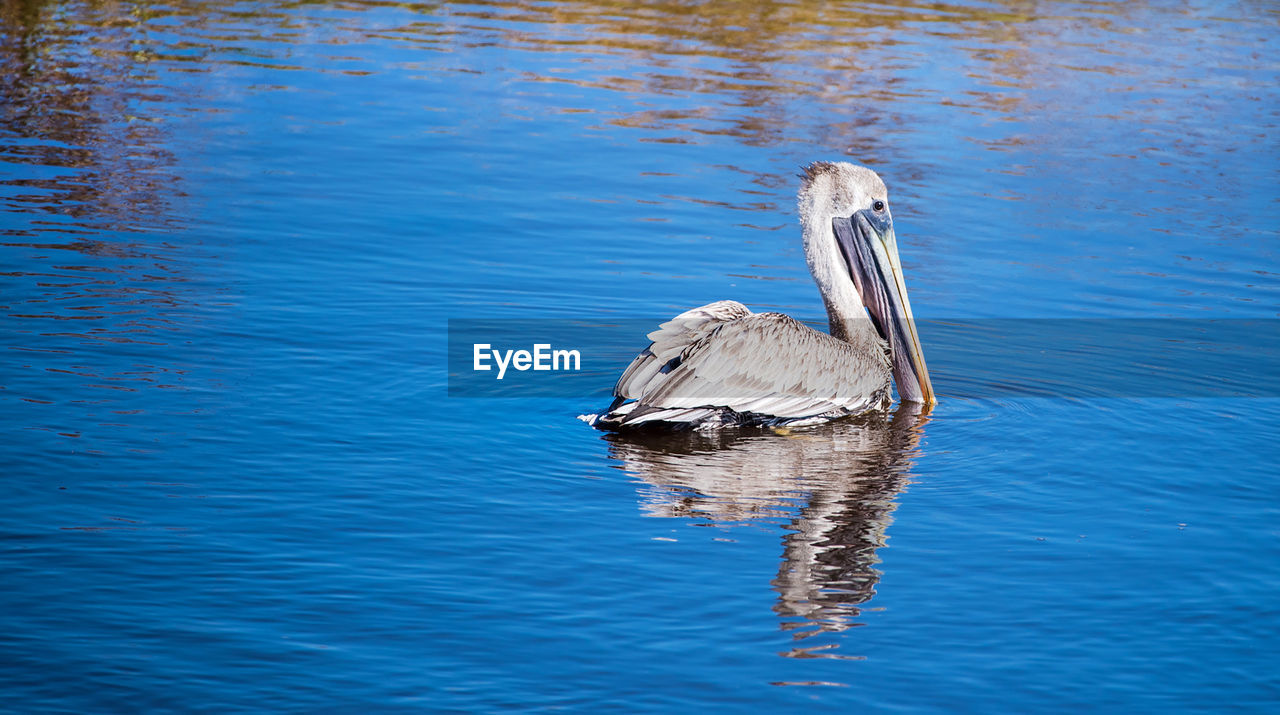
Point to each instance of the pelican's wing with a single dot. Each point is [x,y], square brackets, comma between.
[670,340]
[765,364]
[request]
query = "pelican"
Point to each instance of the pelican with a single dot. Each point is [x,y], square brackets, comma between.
[720,364]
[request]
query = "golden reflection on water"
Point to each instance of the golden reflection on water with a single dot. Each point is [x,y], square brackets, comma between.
[77,104]
[832,486]
[77,75]
[741,64]
[83,139]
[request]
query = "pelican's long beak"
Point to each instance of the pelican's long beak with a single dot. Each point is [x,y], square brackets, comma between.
[871,251]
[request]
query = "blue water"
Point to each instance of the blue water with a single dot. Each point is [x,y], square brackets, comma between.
[233,235]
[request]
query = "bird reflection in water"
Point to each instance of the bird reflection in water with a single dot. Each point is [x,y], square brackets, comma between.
[832,487]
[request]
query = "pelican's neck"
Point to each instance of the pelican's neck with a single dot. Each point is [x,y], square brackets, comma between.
[846,317]
[857,330]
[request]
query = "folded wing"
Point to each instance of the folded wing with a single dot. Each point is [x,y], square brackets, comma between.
[722,363]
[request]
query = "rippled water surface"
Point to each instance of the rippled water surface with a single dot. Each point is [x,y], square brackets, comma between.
[233,234]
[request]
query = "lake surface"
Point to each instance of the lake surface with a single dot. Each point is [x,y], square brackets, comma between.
[233,237]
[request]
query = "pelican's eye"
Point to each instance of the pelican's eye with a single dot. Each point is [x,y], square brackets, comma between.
[877,206]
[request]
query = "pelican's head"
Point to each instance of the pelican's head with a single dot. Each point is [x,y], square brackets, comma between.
[853,254]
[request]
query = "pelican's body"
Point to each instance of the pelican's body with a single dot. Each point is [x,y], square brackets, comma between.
[721,364]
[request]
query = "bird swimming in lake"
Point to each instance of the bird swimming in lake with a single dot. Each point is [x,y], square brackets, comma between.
[721,364]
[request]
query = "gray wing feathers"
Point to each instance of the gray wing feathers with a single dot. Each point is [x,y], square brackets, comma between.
[767,364]
[670,340]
